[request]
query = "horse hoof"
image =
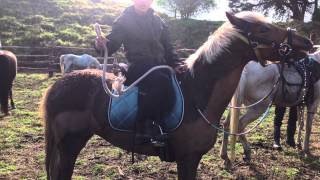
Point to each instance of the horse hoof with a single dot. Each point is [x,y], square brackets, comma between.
[307,152]
[247,159]
[299,146]
[301,154]
[227,164]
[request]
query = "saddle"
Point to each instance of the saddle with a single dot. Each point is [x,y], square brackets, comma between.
[122,112]
[298,75]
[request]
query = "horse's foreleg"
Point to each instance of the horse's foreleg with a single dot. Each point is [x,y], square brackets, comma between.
[301,124]
[224,146]
[11,99]
[251,115]
[310,117]
[4,96]
[187,167]
[67,67]
[69,134]
[64,156]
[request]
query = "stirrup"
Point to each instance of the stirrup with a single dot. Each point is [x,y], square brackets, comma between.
[159,140]
[158,144]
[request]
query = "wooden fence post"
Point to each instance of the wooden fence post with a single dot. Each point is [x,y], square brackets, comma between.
[51,64]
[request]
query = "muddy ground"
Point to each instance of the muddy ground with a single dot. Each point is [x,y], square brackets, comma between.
[22,149]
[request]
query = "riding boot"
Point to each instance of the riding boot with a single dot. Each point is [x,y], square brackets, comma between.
[291,129]
[141,127]
[160,138]
[279,113]
[141,134]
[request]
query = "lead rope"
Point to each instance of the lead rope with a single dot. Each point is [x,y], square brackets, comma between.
[259,101]
[261,119]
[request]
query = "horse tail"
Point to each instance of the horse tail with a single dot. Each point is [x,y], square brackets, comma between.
[4,83]
[62,63]
[49,138]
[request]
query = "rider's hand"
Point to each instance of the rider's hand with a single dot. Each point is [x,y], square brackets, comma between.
[181,68]
[101,42]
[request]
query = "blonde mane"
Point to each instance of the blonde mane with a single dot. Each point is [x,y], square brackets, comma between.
[221,39]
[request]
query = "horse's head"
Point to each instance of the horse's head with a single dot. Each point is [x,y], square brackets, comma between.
[268,41]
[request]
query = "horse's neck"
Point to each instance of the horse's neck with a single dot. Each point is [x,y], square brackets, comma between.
[217,81]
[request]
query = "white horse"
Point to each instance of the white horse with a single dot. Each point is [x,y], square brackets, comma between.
[256,82]
[70,62]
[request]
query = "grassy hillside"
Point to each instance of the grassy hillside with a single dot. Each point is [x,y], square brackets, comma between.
[191,33]
[54,22]
[69,23]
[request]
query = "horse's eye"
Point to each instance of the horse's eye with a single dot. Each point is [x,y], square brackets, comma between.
[264,29]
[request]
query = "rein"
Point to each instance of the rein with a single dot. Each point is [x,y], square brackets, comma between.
[261,119]
[259,101]
[256,43]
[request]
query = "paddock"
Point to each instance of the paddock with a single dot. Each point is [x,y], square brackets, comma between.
[22,137]
[22,149]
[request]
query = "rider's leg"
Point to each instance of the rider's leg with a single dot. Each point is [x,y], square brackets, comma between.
[154,90]
[279,113]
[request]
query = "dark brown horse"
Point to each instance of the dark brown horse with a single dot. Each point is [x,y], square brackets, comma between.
[8,71]
[74,108]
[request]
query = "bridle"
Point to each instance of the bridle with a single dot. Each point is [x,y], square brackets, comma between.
[284,48]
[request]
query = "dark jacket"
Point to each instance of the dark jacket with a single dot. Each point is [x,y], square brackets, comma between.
[145,38]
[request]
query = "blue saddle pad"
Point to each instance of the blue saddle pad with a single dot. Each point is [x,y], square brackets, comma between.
[122,111]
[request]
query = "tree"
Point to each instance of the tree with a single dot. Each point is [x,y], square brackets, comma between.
[187,8]
[316,11]
[296,9]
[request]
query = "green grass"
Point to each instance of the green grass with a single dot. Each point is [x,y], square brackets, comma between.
[292,172]
[22,153]
[6,168]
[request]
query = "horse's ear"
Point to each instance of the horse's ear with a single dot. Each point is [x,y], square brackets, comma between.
[238,22]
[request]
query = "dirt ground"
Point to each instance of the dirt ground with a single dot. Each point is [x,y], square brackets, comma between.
[22,149]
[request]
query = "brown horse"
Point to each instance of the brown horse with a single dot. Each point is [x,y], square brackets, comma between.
[8,71]
[74,108]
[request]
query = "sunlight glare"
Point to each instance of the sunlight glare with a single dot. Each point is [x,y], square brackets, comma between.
[154,5]
[123,1]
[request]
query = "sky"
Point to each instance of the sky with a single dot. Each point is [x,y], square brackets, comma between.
[216,14]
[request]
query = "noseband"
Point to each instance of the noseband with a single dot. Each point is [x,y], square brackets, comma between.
[284,48]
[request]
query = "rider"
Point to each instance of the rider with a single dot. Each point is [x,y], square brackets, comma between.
[146,42]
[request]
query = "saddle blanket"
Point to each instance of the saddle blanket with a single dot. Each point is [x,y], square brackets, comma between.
[122,111]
